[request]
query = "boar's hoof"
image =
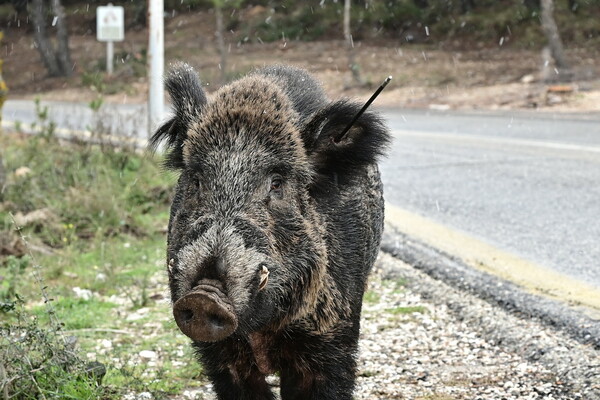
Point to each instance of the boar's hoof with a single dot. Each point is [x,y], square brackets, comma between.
[204,316]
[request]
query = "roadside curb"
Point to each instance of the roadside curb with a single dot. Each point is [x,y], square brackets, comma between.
[510,297]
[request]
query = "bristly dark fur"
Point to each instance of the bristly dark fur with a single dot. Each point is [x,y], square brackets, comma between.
[305,93]
[264,186]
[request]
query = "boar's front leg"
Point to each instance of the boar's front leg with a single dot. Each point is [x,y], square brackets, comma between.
[320,367]
[232,372]
[253,387]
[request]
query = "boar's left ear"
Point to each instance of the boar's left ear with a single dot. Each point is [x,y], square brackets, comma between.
[362,144]
[188,98]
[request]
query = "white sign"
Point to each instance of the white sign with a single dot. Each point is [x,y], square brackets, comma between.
[110,23]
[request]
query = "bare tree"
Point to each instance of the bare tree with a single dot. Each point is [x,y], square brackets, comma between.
[352,65]
[40,36]
[19,5]
[553,37]
[220,33]
[466,6]
[63,55]
[573,6]
[57,60]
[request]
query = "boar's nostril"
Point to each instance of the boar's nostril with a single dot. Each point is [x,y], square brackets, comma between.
[186,315]
[216,321]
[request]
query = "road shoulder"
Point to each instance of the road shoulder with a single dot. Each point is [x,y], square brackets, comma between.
[462,347]
[425,238]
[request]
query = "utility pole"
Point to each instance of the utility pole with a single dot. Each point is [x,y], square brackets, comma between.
[156,63]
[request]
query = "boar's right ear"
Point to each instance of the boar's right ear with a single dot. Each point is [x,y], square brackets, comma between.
[188,98]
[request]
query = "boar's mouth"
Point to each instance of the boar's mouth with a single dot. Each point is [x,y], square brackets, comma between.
[205,314]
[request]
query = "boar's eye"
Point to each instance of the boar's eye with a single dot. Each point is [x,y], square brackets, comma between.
[276,186]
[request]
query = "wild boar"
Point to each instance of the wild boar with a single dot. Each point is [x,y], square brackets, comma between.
[275,224]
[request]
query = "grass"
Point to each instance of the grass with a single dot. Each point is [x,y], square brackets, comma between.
[371,297]
[87,193]
[76,313]
[102,231]
[406,310]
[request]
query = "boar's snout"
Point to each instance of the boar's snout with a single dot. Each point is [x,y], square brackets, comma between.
[205,314]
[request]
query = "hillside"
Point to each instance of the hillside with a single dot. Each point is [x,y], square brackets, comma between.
[441,68]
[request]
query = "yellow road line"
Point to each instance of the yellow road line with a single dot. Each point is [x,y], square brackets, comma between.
[532,277]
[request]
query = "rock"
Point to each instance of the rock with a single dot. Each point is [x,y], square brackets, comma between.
[439,107]
[101,277]
[84,294]
[552,99]
[95,370]
[529,78]
[43,215]
[22,172]
[11,245]
[148,354]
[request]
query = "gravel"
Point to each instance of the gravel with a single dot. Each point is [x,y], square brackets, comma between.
[422,339]
[464,348]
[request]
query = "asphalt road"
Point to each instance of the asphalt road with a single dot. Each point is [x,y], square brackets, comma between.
[127,120]
[525,183]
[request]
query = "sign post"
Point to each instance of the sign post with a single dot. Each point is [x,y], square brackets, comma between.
[110,27]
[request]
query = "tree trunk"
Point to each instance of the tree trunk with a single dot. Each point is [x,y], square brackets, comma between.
[354,69]
[554,42]
[221,43]
[63,55]
[40,37]
[20,6]
[466,6]
[574,6]
[532,4]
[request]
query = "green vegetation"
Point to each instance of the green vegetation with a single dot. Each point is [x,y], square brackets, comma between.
[371,297]
[84,312]
[126,64]
[38,362]
[85,193]
[406,310]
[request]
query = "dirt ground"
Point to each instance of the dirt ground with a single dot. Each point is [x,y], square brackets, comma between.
[424,76]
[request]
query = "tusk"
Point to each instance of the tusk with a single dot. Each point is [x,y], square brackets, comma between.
[170,265]
[264,278]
